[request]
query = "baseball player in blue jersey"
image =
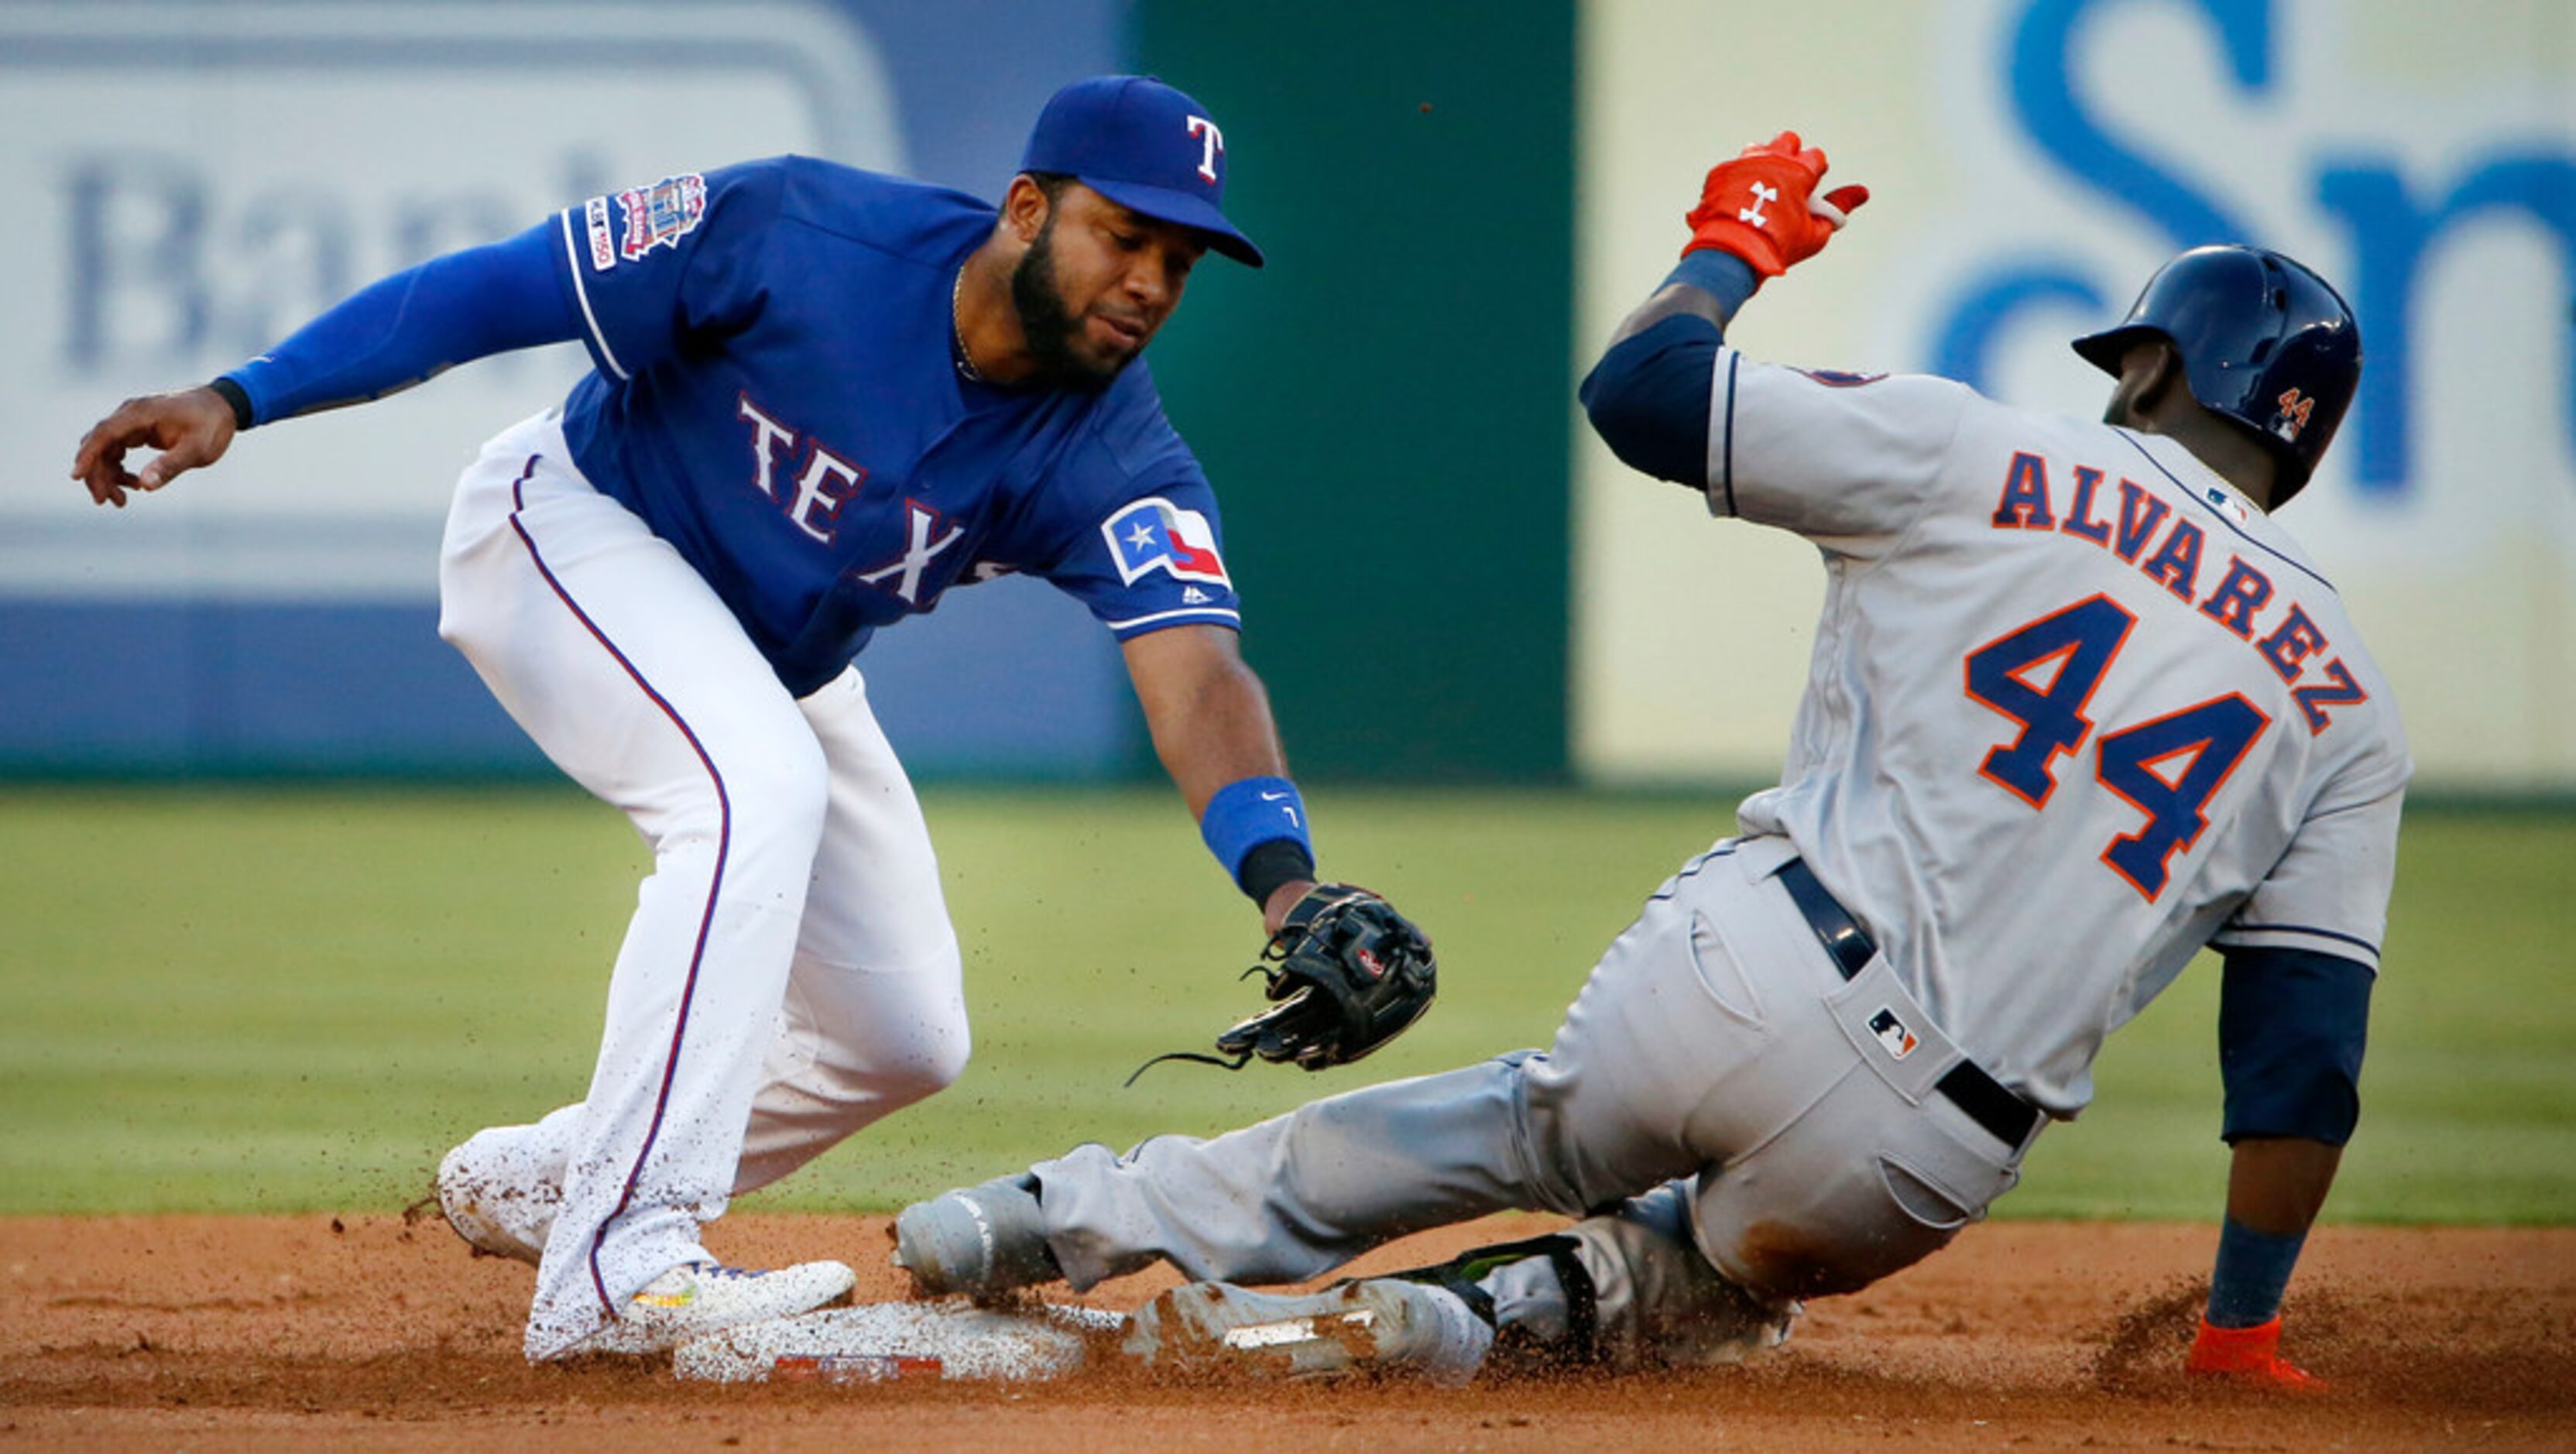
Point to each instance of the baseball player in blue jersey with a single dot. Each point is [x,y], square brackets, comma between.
[2078,709]
[819,399]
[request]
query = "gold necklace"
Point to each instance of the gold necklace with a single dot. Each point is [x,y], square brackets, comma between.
[957,328]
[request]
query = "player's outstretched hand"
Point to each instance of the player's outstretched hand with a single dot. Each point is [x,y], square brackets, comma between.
[2249,1356]
[190,428]
[1763,206]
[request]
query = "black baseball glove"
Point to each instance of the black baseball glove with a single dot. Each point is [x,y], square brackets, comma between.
[1346,974]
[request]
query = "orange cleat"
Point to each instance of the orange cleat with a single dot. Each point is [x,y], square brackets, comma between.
[2249,1356]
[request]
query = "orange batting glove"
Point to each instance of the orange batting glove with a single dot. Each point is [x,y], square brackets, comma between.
[1762,206]
[2250,1356]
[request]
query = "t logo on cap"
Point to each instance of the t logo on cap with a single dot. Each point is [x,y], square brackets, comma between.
[1201,126]
[1117,135]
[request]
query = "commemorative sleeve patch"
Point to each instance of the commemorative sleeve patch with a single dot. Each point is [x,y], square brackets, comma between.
[660,215]
[1153,534]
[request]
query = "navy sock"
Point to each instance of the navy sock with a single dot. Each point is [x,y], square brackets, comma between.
[2253,1269]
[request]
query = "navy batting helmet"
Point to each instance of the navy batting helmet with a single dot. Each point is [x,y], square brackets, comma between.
[2264,341]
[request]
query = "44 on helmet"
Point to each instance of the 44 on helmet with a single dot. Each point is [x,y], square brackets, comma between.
[2264,341]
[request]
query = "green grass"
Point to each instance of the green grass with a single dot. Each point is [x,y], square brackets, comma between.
[292,1000]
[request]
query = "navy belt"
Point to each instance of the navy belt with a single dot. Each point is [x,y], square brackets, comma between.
[2005,1116]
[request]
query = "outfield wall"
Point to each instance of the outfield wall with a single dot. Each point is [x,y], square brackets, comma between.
[1383,408]
[184,200]
[272,156]
[1445,577]
[2031,162]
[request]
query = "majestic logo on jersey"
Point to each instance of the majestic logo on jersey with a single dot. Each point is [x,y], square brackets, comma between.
[1211,145]
[1898,1041]
[661,214]
[1155,534]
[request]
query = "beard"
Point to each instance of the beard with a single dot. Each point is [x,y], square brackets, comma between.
[1049,325]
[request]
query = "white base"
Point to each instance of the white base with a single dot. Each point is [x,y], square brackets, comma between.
[875,1342]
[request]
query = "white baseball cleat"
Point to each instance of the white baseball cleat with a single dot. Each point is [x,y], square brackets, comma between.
[697,1298]
[1382,1325]
[982,1240]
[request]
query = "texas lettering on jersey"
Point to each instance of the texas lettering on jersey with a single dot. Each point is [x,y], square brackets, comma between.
[823,481]
[2241,600]
[789,320]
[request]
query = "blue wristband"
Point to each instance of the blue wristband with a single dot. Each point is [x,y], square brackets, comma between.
[2252,1272]
[1720,274]
[1249,812]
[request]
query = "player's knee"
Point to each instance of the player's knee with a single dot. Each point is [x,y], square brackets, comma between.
[903,1040]
[894,1071]
[933,1064]
[775,797]
[932,1052]
[1872,1219]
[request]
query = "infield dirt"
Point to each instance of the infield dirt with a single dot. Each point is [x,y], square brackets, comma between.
[362,1332]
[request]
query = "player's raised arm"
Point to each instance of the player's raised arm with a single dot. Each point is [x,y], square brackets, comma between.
[387,337]
[1758,215]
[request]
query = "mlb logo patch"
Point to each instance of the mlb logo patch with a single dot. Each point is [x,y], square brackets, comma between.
[661,214]
[1898,1041]
[1156,535]
[603,241]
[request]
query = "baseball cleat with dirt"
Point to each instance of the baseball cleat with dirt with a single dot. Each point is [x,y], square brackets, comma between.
[1383,1325]
[981,1240]
[697,1298]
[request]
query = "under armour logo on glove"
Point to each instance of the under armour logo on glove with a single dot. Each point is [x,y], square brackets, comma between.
[1781,174]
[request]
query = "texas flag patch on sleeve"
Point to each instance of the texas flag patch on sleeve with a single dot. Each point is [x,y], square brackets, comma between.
[1153,534]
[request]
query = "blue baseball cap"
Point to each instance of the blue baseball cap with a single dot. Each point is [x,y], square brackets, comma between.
[1145,146]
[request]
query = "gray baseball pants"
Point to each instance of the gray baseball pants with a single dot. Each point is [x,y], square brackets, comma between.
[1715,1099]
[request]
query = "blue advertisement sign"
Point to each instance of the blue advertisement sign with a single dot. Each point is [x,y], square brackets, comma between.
[263,159]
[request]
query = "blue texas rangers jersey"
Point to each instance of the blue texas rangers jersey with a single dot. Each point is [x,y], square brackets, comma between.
[775,394]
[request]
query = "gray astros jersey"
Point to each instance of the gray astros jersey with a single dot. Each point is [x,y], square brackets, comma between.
[2076,709]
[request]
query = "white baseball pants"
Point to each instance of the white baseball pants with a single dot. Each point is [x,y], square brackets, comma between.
[790,974]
